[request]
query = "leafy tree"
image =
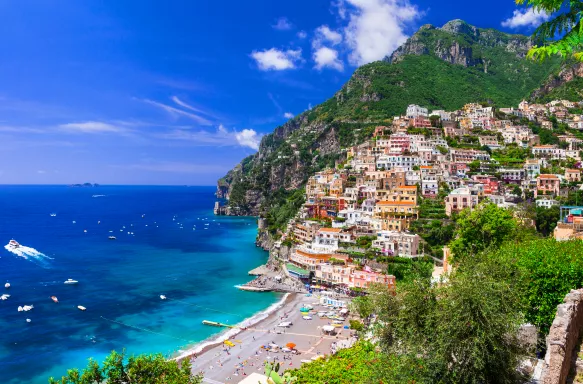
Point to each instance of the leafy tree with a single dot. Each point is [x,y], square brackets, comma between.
[546,219]
[474,165]
[547,271]
[142,369]
[361,364]
[466,330]
[485,226]
[517,191]
[566,24]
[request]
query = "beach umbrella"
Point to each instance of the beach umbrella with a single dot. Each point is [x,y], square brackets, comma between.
[290,345]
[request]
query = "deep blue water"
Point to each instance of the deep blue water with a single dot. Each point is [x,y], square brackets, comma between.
[120,280]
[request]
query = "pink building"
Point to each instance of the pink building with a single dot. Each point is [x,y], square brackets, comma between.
[366,277]
[547,185]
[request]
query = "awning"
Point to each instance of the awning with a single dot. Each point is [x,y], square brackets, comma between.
[328,328]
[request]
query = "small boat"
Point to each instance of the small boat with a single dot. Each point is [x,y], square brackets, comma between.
[53,214]
[85,230]
[111,237]
[28,320]
[82,308]
[54,298]
[7,285]
[74,222]
[20,308]
[13,244]
[25,308]
[163,297]
[71,281]
[4,297]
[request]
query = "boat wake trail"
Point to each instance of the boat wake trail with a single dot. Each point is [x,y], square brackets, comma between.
[26,252]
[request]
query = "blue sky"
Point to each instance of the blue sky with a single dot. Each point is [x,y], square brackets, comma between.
[178,92]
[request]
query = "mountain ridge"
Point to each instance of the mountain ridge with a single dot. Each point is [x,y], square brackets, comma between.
[439,68]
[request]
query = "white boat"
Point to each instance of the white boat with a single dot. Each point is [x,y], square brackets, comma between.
[111,237]
[7,285]
[71,281]
[85,230]
[4,297]
[13,244]
[20,308]
[25,308]
[54,298]
[82,308]
[53,214]
[163,297]
[28,320]
[74,222]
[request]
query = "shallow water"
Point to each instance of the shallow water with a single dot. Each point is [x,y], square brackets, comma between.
[167,251]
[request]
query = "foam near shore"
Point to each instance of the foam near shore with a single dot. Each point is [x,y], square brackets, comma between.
[226,334]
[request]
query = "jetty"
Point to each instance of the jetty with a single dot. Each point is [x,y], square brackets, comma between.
[216,324]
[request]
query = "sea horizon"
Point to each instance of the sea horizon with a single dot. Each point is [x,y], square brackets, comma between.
[161,248]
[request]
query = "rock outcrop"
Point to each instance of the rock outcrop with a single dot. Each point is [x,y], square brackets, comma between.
[564,336]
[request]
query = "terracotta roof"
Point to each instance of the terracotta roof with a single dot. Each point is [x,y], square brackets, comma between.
[545,176]
[335,230]
[544,146]
[573,170]
[407,187]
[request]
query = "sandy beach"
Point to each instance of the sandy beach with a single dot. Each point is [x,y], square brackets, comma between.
[221,364]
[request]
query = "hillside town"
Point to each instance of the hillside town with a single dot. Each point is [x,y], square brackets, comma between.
[422,171]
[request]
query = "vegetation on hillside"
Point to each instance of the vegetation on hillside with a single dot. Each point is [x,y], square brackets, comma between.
[117,368]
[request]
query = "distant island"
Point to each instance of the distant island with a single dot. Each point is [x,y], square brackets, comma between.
[84,185]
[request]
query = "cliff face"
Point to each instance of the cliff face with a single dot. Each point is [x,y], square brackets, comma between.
[439,68]
[462,44]
[566,84]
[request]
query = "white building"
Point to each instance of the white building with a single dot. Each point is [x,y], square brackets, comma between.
[397,243]
[546,203]
[416,111]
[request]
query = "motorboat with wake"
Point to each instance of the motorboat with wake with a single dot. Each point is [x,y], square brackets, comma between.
[54,298]
[71,281]
[13,244]
[111,237]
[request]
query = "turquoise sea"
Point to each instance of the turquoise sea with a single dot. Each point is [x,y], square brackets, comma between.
[168,242]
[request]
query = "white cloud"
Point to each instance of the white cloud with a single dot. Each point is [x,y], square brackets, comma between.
[325,35]
[248,138]
[302,34]
[283,24]
[327,58]
[178,112]
[221,137]
[341,8]
[274,59]
[92,127]
[525,18]
[187,106]
[288,115]
[376,27]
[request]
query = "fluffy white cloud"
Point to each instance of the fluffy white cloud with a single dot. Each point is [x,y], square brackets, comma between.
[325,35]
[324,56]
[376,27]
[302,34]
[276,60]
[525,18]
[288,115]
[91,127]
[283,24]
[327,58]
[248,138]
